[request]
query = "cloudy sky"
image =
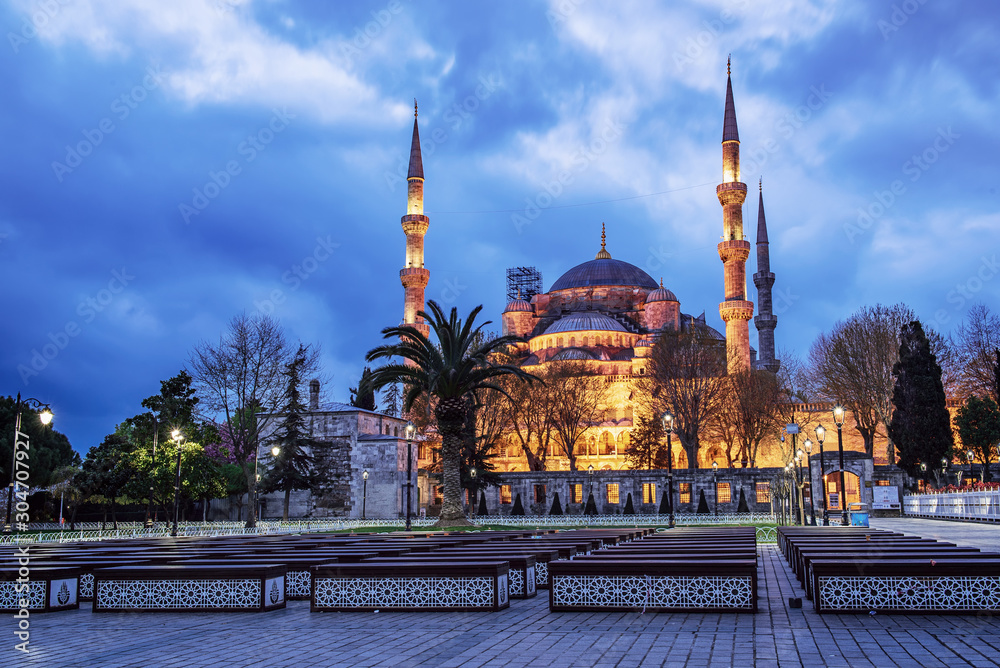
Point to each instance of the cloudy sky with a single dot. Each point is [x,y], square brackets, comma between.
[170,164]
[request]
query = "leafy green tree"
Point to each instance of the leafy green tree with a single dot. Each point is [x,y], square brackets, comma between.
[106,471]
[978,423]
[293,468]
[921,425]
[647,448]
[449,372]
[50,450]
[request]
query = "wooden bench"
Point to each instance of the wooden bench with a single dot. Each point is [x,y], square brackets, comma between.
[190,588]
[46,589]
[422,584]
[588,584]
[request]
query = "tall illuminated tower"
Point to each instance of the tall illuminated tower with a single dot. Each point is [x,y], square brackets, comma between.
[736,311]
[765,321]
[413,275]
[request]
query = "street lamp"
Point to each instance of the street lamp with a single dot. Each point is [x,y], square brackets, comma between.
[812,491]
[944,470]
[411,431]
[838,419]
[275,451]
[799,455]
[45,417]
[177,436]
[364,497]
[715,479]
[152,473]
[668,426]
[472,489]
[821,436]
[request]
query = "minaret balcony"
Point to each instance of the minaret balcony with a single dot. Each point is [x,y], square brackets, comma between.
[734,250]
[765,321]
[414,277]
[763,279]
[734,192]
[415,223]
[736,309]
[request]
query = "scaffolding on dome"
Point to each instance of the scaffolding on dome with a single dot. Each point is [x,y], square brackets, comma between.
[523,283]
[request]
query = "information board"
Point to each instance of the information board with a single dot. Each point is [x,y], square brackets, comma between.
[885,497]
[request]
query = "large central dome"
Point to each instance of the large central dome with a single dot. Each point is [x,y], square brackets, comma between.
[604,271]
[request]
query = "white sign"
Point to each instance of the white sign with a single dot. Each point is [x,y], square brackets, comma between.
[885,497]
[792,428]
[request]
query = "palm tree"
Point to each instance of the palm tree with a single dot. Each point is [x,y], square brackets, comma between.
[457,368]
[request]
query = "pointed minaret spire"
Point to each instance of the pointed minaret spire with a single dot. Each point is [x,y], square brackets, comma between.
[736,311]
[414,276]
[416,163]
[729,130]
[765,321]
[603,254]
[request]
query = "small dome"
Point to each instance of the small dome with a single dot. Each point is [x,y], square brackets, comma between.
[517,305]
[572,354]
[661,294]
[585,321]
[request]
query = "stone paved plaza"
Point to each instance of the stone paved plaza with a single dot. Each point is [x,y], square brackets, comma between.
[528,635]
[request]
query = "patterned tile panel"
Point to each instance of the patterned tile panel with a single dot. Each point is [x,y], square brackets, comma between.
[11,595]
[409,592]
[86,586]
[931,594]
[178,594]
[636,591]
[298,585]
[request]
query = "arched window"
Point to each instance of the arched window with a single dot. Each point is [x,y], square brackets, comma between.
[591,446]
[607,341]
[572,341]
[559,342]
[584,343]
[624,439]
[607,443]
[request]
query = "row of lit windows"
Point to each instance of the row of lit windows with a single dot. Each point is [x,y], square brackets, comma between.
[617,341]
[611,493]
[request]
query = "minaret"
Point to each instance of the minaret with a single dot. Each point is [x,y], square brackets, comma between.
[734,250]
[764,279]
[413,275]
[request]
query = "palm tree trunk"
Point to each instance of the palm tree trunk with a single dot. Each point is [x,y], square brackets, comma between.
[450,425]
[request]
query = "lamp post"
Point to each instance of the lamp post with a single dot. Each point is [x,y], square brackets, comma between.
[821,436]
[364,493]
[838,419]
[472,492]
[152,468]
[812,490]
[944,471]
[799,455]
[275,451]
[411,431]
[715,479]
[668,426]
[969,455]
[45,417]
[178,437]
[791,492]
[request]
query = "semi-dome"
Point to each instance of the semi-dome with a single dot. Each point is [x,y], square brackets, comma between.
[604,271]
[585,321]
[572,354]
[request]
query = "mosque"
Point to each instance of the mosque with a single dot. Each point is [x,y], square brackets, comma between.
[607,313]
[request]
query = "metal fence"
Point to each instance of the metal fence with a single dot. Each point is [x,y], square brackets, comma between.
[977,506]
[46,532]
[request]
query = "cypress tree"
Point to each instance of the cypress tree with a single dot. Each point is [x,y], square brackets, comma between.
[591,507]
[702,503]
[483,510]
[743,507]
[518,507]
[556,506]
[629,508]
[665,501]
[921,425]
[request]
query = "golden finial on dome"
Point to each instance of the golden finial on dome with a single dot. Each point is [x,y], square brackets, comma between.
[603,254]
[661,282]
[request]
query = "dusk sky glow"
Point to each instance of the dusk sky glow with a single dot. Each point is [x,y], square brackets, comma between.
[170,164]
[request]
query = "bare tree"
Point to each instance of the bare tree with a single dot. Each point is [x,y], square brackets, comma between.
[752,407]
[687,377]
[530,416]
[977,354]
[578,398]
[242,386]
